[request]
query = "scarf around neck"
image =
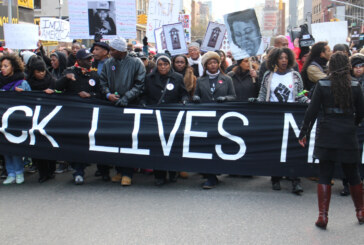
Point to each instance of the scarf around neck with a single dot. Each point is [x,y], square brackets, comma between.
[8,82]
[197,62]
[213,76]
[83,69]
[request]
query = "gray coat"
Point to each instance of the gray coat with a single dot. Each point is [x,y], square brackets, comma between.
[124,76]
[224,87]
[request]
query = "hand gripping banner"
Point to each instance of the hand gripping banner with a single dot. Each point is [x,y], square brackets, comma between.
[232,138]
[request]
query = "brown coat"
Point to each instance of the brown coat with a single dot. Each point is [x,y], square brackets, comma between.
[190,81]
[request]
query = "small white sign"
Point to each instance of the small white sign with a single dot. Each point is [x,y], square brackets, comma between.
[214,36]
[175,39]
[52,29]
[14,36]
[331,32]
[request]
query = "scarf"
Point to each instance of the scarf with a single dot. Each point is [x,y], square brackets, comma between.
[321,61]
[46,82]
[213,76]
[6,83]
[83,69]
[197,62]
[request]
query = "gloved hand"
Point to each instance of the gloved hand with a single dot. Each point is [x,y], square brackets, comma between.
[122,102]
[221,99]
[196,99]
[253,100]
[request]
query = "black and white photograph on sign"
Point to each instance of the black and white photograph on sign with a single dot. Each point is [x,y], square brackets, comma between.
[160,41]
[101,17]
[175,38]
[214,36]
[244,34]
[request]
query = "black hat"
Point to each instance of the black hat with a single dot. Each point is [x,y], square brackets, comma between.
[83,54]
[102,45]
[356,59]
[142,55]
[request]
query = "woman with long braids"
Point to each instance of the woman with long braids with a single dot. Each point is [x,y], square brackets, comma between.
[336,139]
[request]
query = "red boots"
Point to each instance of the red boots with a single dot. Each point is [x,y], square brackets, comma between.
[324,196]
[356,192]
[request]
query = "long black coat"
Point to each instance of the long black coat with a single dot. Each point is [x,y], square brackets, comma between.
[175,91]
[244,86]
[224,87]
[336,130]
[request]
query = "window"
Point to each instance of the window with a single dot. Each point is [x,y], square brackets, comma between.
[37,4]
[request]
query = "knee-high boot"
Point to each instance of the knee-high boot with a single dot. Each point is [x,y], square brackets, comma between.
[324,196]
[356,192]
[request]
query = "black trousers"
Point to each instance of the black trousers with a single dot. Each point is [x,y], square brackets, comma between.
[278,178]
[160,174]
[104,169]
[45,167]
[327,169]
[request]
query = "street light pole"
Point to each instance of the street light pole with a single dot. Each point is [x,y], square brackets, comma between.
[350,4]
[10,14]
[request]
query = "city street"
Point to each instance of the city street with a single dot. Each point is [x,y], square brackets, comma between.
[238,211]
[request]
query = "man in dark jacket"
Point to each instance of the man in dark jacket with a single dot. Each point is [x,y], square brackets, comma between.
[122,83]
[82,81]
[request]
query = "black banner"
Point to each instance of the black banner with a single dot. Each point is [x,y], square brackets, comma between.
[233,138]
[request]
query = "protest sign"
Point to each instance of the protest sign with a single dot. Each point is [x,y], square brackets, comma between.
[160,40]
[161,12]
[244,34]
[109,18]
[331,32]
[231,138]
[214,36]
[15,33]
[52,29]
[175,38]
[185,19]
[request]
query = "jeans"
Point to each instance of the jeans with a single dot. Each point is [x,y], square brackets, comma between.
[14,165]
[79,168]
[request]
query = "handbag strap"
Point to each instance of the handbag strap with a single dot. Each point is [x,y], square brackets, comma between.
[164,92]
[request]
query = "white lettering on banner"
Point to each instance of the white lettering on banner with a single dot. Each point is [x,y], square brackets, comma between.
[91,135]
[311,145]
[134,149]
[234,138]
[166,147]
[288,120]
[188,134]
[40,126]
[24,135]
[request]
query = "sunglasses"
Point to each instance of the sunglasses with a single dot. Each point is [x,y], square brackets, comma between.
[359,65]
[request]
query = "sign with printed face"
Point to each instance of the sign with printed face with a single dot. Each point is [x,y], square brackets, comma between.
[160,40]
[52,29]
[14,32]
[214,36]
[109,18]
[244,34]
[175,38]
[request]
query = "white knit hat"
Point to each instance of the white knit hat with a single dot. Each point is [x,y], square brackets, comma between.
[119,44]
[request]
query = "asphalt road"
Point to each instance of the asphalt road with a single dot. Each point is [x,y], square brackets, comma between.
[238,211]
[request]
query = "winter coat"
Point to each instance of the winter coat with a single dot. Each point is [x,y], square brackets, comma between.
[156,85]
[224,88]
[264,93]
[124,76]
[337,129]
[88,82]
[244,86]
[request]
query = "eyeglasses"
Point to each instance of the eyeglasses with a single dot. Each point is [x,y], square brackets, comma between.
[359,65]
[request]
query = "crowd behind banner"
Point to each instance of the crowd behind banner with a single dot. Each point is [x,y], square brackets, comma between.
[117,72]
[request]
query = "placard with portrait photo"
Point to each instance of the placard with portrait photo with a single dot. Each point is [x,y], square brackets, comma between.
[175,38]
[244,34]
[214,36]
[160,40]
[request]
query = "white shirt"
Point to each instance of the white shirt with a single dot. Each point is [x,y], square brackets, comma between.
[281,88]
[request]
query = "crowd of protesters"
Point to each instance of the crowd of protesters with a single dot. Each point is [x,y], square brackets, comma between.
[117,72]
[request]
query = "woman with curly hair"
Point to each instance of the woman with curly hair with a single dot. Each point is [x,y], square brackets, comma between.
[341,99]
[282,84]
[12,79]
